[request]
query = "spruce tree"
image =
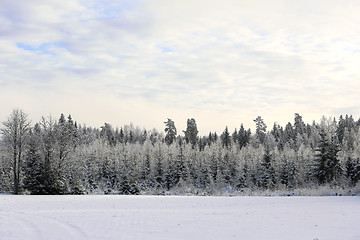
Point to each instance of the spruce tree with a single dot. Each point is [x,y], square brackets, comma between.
[34,171]
[225,138]
[352,171]
[107,132]
[287,174]
[191,132]
[326,166]
[243,136]
[260,129]
[299,125]
[266,178]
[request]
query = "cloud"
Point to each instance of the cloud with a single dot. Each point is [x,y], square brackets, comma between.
[228,58]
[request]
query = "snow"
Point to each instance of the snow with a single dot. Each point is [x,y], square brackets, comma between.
[174,217]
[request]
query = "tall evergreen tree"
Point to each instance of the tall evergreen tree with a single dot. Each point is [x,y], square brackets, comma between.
[66,135]
[326,164]
[299,125]
[225,138]
[191,132]
[170,131]
[235,136]
[243,136]
[54,178]
[107,132]
[34,169]
[278,134]
[260,129]
[289,134]
[352,171]
[159,167]
[266,177]
[287,174]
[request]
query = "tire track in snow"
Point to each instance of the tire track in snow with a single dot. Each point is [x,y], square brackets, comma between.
[44,227]
[15,227]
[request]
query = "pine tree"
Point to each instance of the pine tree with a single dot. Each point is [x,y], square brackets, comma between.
[278,133]
[235,136]
[225,138]
[289,134]
[159,170]
[146,180]
[203,180]
[121,136]
[326,164]
[170,131]
[34,171]
[172,174]
[287,174]
[107,132]
[352,171]
[341,129]
[243,136]
[109,175]
[191,132]
[53,175]
[260,129]
[266,178]
[244,177]
[66,138]
[299,125]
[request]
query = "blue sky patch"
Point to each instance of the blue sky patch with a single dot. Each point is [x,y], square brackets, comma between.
[41,47]
[26,47]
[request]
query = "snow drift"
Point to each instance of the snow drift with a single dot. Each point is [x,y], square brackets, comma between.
[174,217]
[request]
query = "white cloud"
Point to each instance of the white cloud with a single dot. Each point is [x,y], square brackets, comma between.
[232,59]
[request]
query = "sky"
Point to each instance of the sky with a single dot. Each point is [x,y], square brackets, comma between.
[139,61]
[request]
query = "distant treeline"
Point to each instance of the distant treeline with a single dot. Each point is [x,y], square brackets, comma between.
[59,156]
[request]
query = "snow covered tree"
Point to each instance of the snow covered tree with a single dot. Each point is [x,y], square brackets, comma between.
[191,132]
[66,134]
[225,138]
[278,133]
[159,167]
[289,134]
[352,171]
[203,179]
[326,166]
[172,173]
[107,132]
[299,125]
[61,158]
[243,136]
[145,177]
[287,174]
[54,179]
[170,131]
[15,133]
[266,173]
[260,129]
[243,177]
[34,180]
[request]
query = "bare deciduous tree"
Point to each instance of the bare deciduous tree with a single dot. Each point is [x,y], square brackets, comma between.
[15,131]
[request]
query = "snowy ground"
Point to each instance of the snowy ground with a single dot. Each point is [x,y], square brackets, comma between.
[163,217]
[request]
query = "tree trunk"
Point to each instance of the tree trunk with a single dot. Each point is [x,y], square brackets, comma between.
[15,131]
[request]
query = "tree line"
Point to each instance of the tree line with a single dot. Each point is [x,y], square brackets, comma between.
[59,156]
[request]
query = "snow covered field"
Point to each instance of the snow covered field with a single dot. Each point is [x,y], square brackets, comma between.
[165,217]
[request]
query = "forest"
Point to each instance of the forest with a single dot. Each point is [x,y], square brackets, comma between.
[60,156]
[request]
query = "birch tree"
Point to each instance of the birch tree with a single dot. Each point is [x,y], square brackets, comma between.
[15,132]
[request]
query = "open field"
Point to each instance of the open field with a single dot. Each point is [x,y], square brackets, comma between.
[173,217]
